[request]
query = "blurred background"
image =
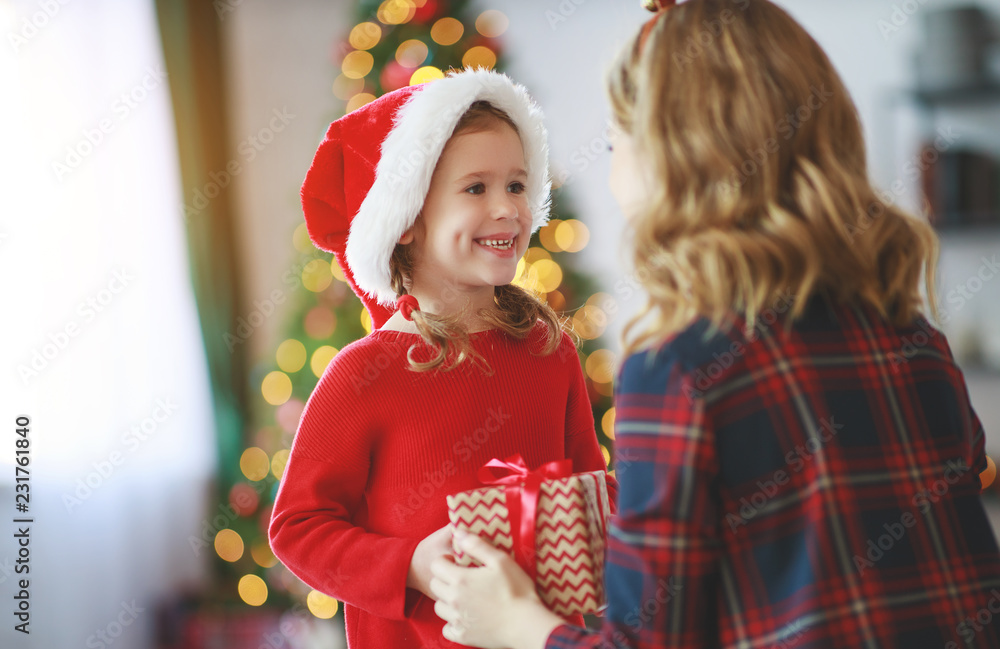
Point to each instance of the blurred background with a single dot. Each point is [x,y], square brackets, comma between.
[166,316]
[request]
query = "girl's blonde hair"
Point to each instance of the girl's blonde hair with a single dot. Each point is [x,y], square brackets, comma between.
[517,310]
[759,182]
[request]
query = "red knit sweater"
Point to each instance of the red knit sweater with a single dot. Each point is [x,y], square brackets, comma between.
[380,446]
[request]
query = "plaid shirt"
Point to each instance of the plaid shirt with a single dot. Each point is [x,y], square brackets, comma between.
[810,488]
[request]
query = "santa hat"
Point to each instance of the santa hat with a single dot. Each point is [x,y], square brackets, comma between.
[369,178]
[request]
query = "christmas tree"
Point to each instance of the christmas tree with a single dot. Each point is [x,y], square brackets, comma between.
[394,43]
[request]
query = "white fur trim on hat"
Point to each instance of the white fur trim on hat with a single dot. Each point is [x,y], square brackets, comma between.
[410,153]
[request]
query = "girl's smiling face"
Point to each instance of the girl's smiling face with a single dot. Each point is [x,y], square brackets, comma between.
[475,224]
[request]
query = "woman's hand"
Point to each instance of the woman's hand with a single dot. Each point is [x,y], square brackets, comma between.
[432,546]
[494,606]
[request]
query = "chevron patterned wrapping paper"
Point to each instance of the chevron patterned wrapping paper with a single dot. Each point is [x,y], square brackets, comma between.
[570,536]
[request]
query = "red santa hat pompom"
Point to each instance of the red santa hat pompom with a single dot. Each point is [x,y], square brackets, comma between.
[371,173]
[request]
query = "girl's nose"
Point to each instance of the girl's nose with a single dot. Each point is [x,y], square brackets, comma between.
[505,207]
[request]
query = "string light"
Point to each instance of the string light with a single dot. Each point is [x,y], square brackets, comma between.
[278,462]
[550,274]
[492,23]
[479,56]
[425,74]
[252,590]
[276,388]
[365,36]
[291,355]
[357,64]
[321,358]
[254,463]
[608,422]
[412,53]
[321,605]
[396,12]
[229,545]
[447,31]
[316,275]
[600,366]
[547,235]
[571,235]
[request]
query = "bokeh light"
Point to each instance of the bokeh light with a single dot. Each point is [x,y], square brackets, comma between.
[359,100]
[550,275]
[244,499]
[412,53]
[357,64]
[479,56]
[365,36]
[300,238]
[278,462]
[321,605]
[571,235]
[556,300]
[291,355]
[989,474]
[320,322]
[288,415]
[252,590]
[229,545]
[608,422]
[316,275]
[254,463]
[547,235]
[600,366]
[262,555]
[447,31]
[589,322]
[345,87]
[425,74]
[492,23]
[396,12]
[366,320]
[321,358]
[606,454]
[276,388]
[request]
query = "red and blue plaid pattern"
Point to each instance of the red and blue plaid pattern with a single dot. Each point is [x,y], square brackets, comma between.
[809,488]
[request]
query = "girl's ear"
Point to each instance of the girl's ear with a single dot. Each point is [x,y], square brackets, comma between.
[407,237]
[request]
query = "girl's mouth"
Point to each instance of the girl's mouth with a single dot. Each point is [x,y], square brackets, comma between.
[497,244]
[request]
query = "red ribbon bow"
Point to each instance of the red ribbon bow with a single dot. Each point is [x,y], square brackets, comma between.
[522,488]
[407,304]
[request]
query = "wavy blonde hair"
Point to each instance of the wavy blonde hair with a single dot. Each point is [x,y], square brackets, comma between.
[759,182]
[517,310]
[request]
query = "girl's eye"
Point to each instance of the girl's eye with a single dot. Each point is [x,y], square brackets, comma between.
[478,188]
[516,188]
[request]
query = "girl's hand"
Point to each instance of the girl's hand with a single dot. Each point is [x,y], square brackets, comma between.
[494,606]
[431,547]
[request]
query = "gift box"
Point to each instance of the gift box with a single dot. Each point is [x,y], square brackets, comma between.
[551,521]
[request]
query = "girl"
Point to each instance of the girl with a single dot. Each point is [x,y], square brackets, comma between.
[428,196]
[798,458]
